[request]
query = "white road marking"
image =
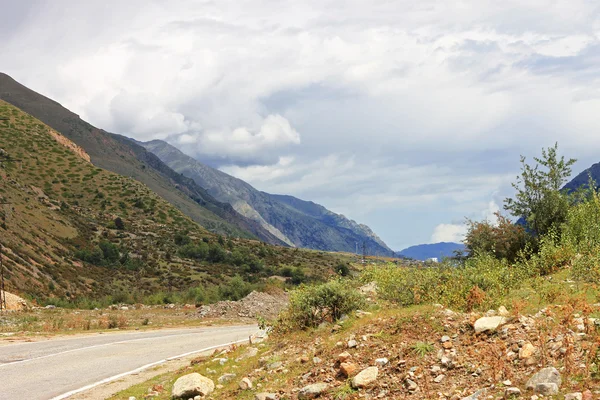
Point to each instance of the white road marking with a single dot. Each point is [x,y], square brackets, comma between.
[101,345]
[115,377]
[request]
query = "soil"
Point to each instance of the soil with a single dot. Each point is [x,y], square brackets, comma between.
[256,304]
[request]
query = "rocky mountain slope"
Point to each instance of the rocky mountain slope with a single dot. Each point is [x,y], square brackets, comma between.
[296,222]
[75,230]
[121,155]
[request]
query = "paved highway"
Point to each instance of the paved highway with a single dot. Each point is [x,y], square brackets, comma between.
[57,368]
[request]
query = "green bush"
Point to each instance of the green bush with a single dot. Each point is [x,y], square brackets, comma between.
[196,251]
[311,305]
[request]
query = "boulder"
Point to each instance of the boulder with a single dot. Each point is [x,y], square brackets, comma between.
[245,384]
[485,324]
[546,389]
[312,391]
[528,350]
[545,375]
[365,377]
[192,385]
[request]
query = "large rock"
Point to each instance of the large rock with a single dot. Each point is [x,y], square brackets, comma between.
[312,391]
[365,377]
[192,385]
[549,375]
[489,323]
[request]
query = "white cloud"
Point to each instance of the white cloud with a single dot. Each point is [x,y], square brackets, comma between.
[449,233]
[457,232]
[385,105]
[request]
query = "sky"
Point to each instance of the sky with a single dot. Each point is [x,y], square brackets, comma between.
[408,116]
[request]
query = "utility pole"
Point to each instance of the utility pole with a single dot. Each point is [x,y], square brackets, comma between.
[364,252]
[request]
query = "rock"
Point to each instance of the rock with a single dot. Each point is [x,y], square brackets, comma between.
[251,352]
[317,360]
[266,396]
[478,395]
[439,378]
[447,345]
[365,377]
[545,375]
[382,361]
[245,384]
[512,391]
[192,385]
[574,396]
[546,389]
[352,344]
[274,365]
[312,391]
[344,356]
[132,398]
[411,385]
[348,368]
[485,324]
[527,351]
[445,339]
[226,378]
[503,312]
[587,395]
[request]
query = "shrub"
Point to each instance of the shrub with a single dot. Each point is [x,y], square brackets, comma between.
[480,283]
[198,252]
[311,305]
[504,239]
[181,239]
[119,224]
[235,289]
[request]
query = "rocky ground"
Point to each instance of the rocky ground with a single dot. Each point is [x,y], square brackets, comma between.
[423,353]
[14,302]
[256,304]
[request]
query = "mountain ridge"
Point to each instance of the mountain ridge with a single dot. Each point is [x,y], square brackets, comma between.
[297,222]
[426,251]
[123,156]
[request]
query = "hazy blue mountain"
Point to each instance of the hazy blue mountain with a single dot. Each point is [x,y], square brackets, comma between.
[296,222]
[434,250]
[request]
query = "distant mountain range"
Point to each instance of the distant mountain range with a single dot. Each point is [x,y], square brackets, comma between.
[434,250]
[296,222]
[217,201]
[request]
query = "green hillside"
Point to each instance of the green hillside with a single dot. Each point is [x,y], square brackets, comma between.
[74,230]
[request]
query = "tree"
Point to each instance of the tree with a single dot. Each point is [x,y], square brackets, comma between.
[119,224]
[502,239]
[539,200]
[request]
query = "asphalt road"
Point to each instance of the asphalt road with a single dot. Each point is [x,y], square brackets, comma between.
[52,369]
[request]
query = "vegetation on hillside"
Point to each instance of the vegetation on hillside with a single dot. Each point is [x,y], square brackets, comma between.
[76,234]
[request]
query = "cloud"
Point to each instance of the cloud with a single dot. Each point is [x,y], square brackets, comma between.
[242,145]
[456,232]
[449,233]
[401,114]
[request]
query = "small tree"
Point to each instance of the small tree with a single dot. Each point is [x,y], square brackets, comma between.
[119,224]
[539,200]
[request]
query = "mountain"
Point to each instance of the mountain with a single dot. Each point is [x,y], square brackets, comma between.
[123,156]
[434,250]
[582,179]
[75,231]
[296,222]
